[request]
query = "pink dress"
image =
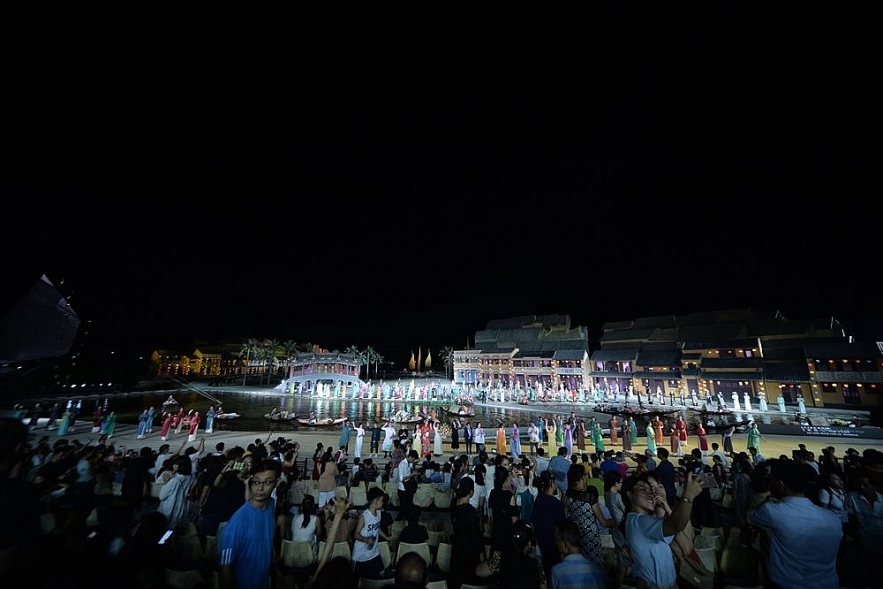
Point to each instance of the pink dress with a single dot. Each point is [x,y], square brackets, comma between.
[194,424]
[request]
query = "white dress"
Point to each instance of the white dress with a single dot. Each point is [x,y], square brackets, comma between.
[437,441]
[360,439]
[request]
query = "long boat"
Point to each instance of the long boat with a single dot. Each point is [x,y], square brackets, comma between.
[459,410]
[282,417]
[327,422]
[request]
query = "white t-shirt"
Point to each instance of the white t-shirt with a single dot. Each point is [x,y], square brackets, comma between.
[479,436]
[404,471]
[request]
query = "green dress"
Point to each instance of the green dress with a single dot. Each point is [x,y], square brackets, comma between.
[651,440]
[559,432]
[754,438]
[633,431]
[598,437]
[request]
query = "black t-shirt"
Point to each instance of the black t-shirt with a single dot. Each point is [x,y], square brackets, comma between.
[502,511]
[414,534]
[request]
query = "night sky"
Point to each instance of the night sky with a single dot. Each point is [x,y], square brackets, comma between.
[405,200]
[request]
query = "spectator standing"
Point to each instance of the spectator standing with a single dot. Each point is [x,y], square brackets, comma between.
[174,495]
[793,523]
[374,445]
[367,561]
[360,440]
[559,465]
[406,473]
[247,556]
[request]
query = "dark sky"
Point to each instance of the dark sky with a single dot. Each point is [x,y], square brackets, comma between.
[400,200]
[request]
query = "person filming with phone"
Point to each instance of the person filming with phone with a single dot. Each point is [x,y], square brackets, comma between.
[652,525]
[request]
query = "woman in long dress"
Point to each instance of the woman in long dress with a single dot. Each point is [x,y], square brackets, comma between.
[581,434]
[568,438]
[675,442]
[65,423]
[651,439]
[515,441]
[455,435]
[613,424]
[727,439]
[110,424]
[703,440]
[626,437]
[502,448]
[425,446]
[598,437]
[633,431]
[436,439]
[754,437]
[194,426]
[210,419]
[166,426]
[550,437]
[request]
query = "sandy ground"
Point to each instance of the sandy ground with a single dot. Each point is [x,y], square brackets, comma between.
[126,436]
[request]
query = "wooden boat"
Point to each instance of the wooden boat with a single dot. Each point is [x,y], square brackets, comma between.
[459,410]
[170,402]
[227,416]
[327,422]
[282,417]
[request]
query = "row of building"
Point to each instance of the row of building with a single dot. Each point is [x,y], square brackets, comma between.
[723,352]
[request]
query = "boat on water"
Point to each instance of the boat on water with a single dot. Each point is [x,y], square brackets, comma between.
[327,422]
[281,417]
[223,416]
[460,410]
[170,402]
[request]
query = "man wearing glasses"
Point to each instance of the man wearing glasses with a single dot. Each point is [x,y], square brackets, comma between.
[247,558]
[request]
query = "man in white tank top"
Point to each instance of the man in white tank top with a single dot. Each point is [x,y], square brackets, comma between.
[366,551]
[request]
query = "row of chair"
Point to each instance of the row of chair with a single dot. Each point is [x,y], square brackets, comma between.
[428,494]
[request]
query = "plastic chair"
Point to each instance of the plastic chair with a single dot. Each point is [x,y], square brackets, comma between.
[424,496]
[183,579]
[210,552]
[708,556]
[440,584]
[340,549]
[443,557]
[296,555]
[385,553]
[422,549]
[358,496]
[442,499]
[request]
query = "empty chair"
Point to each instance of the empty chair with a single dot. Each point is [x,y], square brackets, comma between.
[392,490]
[358,496]
[422,549]
[366,583]
[435,538]
[716,543]
[737,561]
[712,531]
[708,556]
[210,552]
[340,549]
[442,499]
[341,491]
[187,551]
[443,557]
[296,555]
[424,495]
[295,497]
[385,554]
[183,579]
[440,584]
[117,488]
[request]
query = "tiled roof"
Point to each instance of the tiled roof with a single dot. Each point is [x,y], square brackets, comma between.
[842,350]
[786,371]
[720,344]
[626,335]
[614,355]
[570,354]
[535,354]
[663,358]
[730,375]
[732,363]
[669,375]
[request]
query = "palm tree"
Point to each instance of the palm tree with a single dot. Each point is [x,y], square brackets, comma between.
[447,356]
[378,360]
[359,356]
[290,348]
[372,357]
[248,347]
[270,346]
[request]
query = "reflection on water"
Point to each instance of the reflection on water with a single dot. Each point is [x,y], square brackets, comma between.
[253,407]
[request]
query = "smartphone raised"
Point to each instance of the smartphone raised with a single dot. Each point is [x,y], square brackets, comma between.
[165,536]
